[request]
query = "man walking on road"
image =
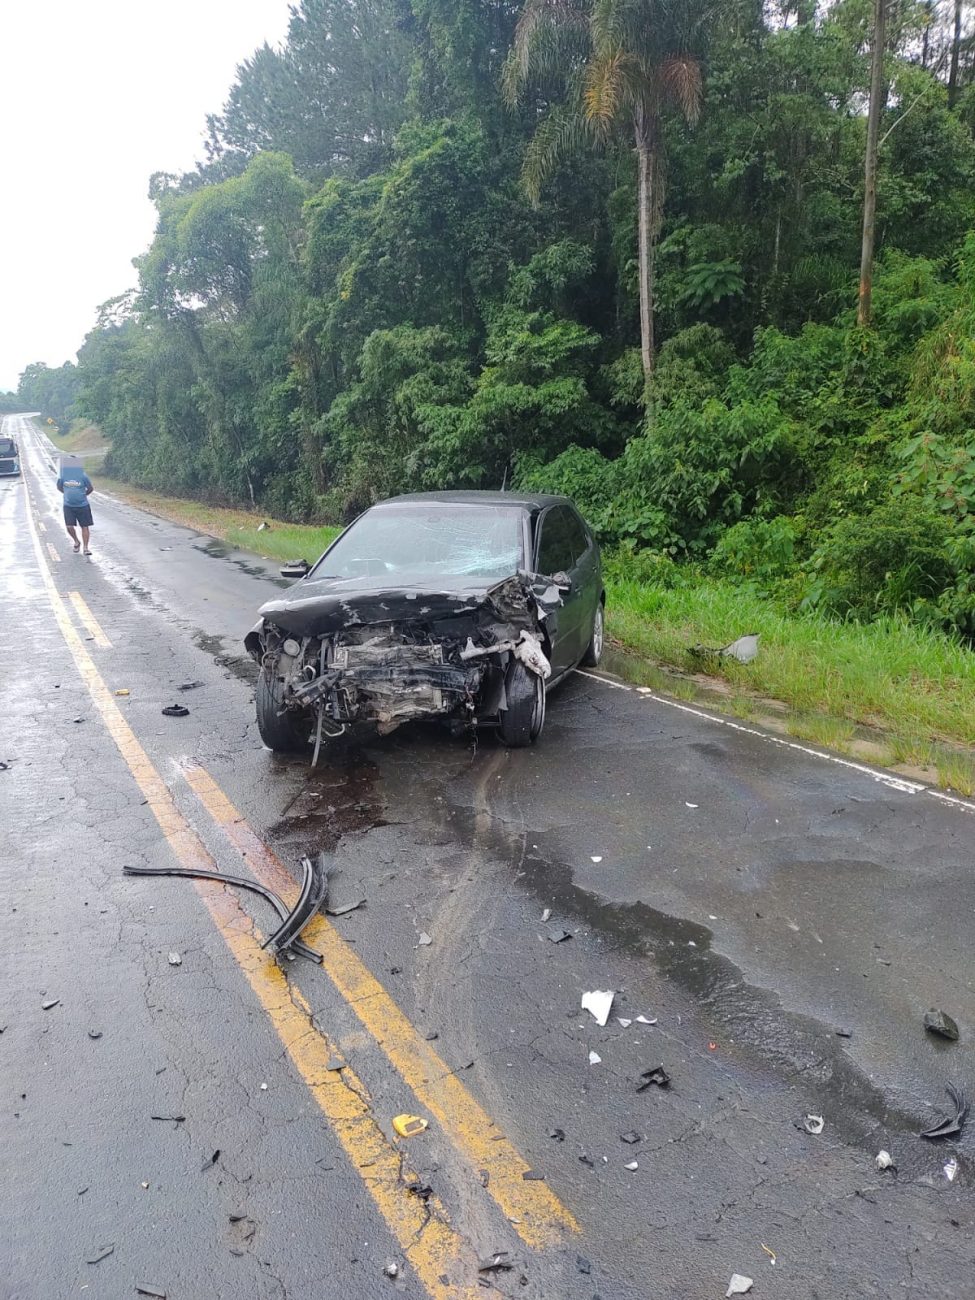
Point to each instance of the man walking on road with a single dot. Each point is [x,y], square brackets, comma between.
[76,487]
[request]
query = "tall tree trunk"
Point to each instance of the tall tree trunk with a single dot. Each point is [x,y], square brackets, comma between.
[926,39]
[955,50]
[878,96]
[648,213]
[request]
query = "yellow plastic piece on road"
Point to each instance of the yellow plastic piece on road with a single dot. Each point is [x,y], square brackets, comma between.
[408,1126]
[122,690]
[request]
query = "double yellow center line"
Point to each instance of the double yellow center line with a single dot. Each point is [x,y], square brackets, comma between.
[442,1260]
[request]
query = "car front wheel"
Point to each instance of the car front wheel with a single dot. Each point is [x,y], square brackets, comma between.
[522,721]
[595,648]
[279,730]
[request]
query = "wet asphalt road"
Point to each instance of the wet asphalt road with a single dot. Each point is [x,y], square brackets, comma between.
[796,898]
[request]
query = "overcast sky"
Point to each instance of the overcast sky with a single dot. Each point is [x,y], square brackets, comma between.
[95,96]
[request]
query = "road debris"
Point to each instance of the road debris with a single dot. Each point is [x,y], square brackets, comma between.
[630,1138]
[884,1160]
[532,1176]
[49,1003]
[595,1058]
[499,1262]
[744,649]
[556,934]
[940,1023]
[277,903]
[188,686]
[391,1269]
[951,1169]
[583,1265]
[642,1020]
[94,1033]
[176,1119]
[546,915]
[813,1124]
[557,1134]
[344,908]
[586,1159]
[424,941]
[407,1126]
[314,886]
[598,1003]
[624,1022]
[175,711]
[595,859]
[632,1166]
[123,690]
[690,805]
[769,1252]
[953,1124]
[144,1288]
[175,959]
[657,1077]
[100,1252]
[739,1284]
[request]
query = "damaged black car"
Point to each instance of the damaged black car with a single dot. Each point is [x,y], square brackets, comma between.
[465,606]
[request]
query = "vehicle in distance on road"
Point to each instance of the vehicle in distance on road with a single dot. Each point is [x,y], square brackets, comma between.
[9,457]
[460,605]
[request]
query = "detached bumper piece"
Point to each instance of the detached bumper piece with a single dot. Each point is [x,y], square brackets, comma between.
[314,887]
[293,921]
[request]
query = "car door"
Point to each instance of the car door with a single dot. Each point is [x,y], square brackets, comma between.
[586,582]
[554,554]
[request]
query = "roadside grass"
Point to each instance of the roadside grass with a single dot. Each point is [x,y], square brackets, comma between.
[82,439]
[239,528]
[956,772]
[833,733]
[892,675]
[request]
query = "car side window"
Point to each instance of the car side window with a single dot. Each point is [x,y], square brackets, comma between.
[555,547]
[578,538]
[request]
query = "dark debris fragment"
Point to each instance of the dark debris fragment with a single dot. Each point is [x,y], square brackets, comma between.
[951,1124]
[657,1077]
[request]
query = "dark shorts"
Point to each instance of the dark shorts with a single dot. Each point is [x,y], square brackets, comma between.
[78,515]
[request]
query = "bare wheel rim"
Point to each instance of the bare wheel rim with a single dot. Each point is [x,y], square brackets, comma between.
[597,633]
[538,707]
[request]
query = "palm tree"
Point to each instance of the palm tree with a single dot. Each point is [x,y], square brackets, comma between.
[620,65]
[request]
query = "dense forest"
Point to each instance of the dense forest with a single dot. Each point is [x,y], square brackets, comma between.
[608,247]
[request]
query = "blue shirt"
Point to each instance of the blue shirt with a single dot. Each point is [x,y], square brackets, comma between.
[75,484]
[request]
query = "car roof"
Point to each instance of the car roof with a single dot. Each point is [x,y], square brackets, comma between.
[531,502]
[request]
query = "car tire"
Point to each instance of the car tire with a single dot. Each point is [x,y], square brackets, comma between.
[595,649]
[279,730]
[522,721]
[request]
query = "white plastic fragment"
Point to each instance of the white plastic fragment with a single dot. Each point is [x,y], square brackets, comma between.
[814,1124]
[594,1058]
[625,1023]
[175,959]
[739,1285]
[744,649]
[263,1087]
[689,805]
[599,1003]
[424,940]
[546,914]
[595,859]
[951,1168]
[642,1020]
[884,1160]
[632,1165]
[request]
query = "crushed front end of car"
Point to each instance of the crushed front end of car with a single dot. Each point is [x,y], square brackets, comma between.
[352,654]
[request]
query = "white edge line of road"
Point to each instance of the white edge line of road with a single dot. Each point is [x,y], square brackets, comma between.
[885,778]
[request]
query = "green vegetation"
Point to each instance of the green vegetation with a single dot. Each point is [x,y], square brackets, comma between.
[609,247]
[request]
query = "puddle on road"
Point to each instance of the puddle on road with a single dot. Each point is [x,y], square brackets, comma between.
[242,666]
[218,550]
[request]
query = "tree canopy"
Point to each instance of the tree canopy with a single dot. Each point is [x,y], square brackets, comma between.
[431,244]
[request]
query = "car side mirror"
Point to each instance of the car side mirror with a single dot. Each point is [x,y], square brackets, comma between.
[562,580]
[295,569]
